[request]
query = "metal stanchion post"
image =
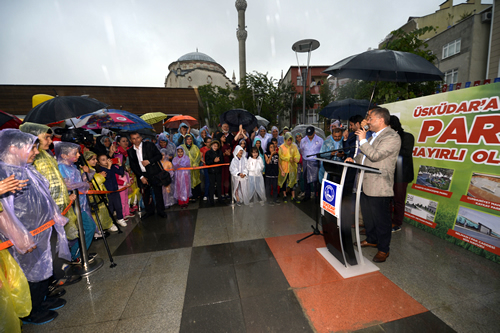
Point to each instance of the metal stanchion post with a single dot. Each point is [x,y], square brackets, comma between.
[85,268]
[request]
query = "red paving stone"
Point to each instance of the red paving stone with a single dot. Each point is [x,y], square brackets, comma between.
[332,303]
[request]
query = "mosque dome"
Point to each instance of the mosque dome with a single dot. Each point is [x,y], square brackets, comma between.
[196,56]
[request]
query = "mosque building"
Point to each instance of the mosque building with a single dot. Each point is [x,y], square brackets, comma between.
[196,69]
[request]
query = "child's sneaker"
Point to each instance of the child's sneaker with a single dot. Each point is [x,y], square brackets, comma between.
[205,198]
[122,222]
[113,228]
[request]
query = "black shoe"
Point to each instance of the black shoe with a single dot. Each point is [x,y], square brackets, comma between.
[56,292]
[51,303]
[65,281]
[162,215]
[40,318]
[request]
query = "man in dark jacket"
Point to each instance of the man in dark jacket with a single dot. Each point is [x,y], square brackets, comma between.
[403,175]
[144,162]
[214,156]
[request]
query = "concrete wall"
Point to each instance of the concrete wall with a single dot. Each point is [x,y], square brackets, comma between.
[471,61]
[494,61]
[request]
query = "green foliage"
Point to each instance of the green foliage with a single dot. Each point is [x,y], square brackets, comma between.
[465,15]
[326,95]
[275,99]
[387,92]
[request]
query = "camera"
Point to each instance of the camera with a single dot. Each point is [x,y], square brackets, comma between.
[75,135]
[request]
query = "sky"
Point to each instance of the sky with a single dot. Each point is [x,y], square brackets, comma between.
[131,43]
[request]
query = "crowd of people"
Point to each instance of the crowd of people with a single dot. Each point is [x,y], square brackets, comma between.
[214,166]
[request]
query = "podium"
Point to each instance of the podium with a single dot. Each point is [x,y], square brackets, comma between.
[340,251]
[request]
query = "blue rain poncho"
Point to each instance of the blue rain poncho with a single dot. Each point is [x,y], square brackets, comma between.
[178,138]
[328,145]
[170,147]
[199,140]
[29,209]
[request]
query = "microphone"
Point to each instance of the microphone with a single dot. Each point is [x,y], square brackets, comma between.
[366,127]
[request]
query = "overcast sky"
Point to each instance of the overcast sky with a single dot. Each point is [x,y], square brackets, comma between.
[131,43]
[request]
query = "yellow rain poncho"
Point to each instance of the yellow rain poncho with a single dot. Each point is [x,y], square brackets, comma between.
[104,217]
[195,158]
[15,297]
[289,156]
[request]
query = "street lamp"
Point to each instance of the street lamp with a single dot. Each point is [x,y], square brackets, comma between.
[302,46]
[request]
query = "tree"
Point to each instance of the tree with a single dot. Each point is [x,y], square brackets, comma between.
[387,92]
[275,98]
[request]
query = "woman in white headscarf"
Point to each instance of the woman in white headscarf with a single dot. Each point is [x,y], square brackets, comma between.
[239,176]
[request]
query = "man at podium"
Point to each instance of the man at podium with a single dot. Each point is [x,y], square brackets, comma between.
[380,152]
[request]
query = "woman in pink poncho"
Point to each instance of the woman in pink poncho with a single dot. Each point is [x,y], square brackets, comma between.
[182,178]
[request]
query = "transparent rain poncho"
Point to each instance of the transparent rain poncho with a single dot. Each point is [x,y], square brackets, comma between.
[289,157]
[310,164]
[328,145]
[256,185]
[29,209]
[66,153]
[240,185]
[170,146]
[195,157]
[46,164]
[178,138]
[182,178]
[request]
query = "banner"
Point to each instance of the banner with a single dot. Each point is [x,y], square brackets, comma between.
[331,196]
[455,194]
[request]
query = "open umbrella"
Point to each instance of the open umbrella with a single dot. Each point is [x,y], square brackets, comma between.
[153,117]
[302,130]
[175,121]
[386,65]
[8,120]
[346,108]
[262,121]
[103,119]
[62,107]
[236,117]
[137,124]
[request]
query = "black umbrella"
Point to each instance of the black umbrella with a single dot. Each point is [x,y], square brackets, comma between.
[346,108]
[61,108]
[386,65]
[235,118]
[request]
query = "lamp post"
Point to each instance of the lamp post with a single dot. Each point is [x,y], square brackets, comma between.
[303,46]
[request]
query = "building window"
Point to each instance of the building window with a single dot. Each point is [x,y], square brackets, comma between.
[451,76]
[451,48]
[299,81]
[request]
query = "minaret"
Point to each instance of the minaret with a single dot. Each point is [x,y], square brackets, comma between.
[241,34]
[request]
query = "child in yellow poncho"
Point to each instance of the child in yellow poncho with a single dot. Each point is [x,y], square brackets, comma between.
[289,156]
[106,221]
[194,155]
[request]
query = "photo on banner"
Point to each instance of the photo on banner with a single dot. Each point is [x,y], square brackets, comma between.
[455,194]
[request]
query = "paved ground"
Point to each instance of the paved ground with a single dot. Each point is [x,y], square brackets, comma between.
[239,269]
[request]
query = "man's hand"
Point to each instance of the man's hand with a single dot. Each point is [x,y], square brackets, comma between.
[361,134]
[144,180]
[349,160]
[145,163]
